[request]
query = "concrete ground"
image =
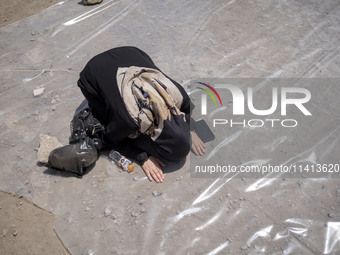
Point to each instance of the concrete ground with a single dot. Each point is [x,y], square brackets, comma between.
[111,212]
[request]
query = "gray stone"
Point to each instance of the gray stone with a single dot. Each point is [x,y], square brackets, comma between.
[91,2]
[38,92]
[156,193]
[179,178]
[331,215]
[107,212]
[4,232]
[338,193]
[47,144]
[89,252]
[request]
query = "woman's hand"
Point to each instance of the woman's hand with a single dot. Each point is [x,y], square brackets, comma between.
[152,168]
[197,145]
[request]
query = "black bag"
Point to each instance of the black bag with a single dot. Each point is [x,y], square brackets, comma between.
[85,125]
[75,157]
[85,141]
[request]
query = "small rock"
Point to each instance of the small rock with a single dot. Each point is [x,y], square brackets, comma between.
[134,214]
[47,144]
[142,210]
[107,212]
[156,193]
[338,193]
[244,247]
[179,178]
[114,217]
[33,33]
[87,209]
[15,233]
[135,178]
[89,252]
[38,92]
[91,2]
[141,202]
[4,232]
[331,215]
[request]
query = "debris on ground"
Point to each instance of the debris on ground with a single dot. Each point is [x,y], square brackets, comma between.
[38,92]
[91,2]
[46,145]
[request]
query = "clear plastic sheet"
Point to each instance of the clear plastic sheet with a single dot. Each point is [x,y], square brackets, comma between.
[111,212]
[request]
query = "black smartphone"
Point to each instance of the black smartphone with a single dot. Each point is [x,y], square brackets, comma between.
[203,131]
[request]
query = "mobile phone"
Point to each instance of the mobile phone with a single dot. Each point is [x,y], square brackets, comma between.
[203,131]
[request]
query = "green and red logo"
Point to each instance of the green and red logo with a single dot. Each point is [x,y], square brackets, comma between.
[209,93]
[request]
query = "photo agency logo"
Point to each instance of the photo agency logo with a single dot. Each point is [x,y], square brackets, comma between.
[204,97]
[266,127]
[270,109]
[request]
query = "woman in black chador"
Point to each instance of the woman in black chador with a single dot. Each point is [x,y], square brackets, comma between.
[133,107]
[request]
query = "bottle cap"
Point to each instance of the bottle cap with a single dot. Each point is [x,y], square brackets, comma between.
[131,167]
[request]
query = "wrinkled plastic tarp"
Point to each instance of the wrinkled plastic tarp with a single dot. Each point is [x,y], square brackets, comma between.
[109,211]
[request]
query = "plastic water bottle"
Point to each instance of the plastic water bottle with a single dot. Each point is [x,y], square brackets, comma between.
[121,161]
